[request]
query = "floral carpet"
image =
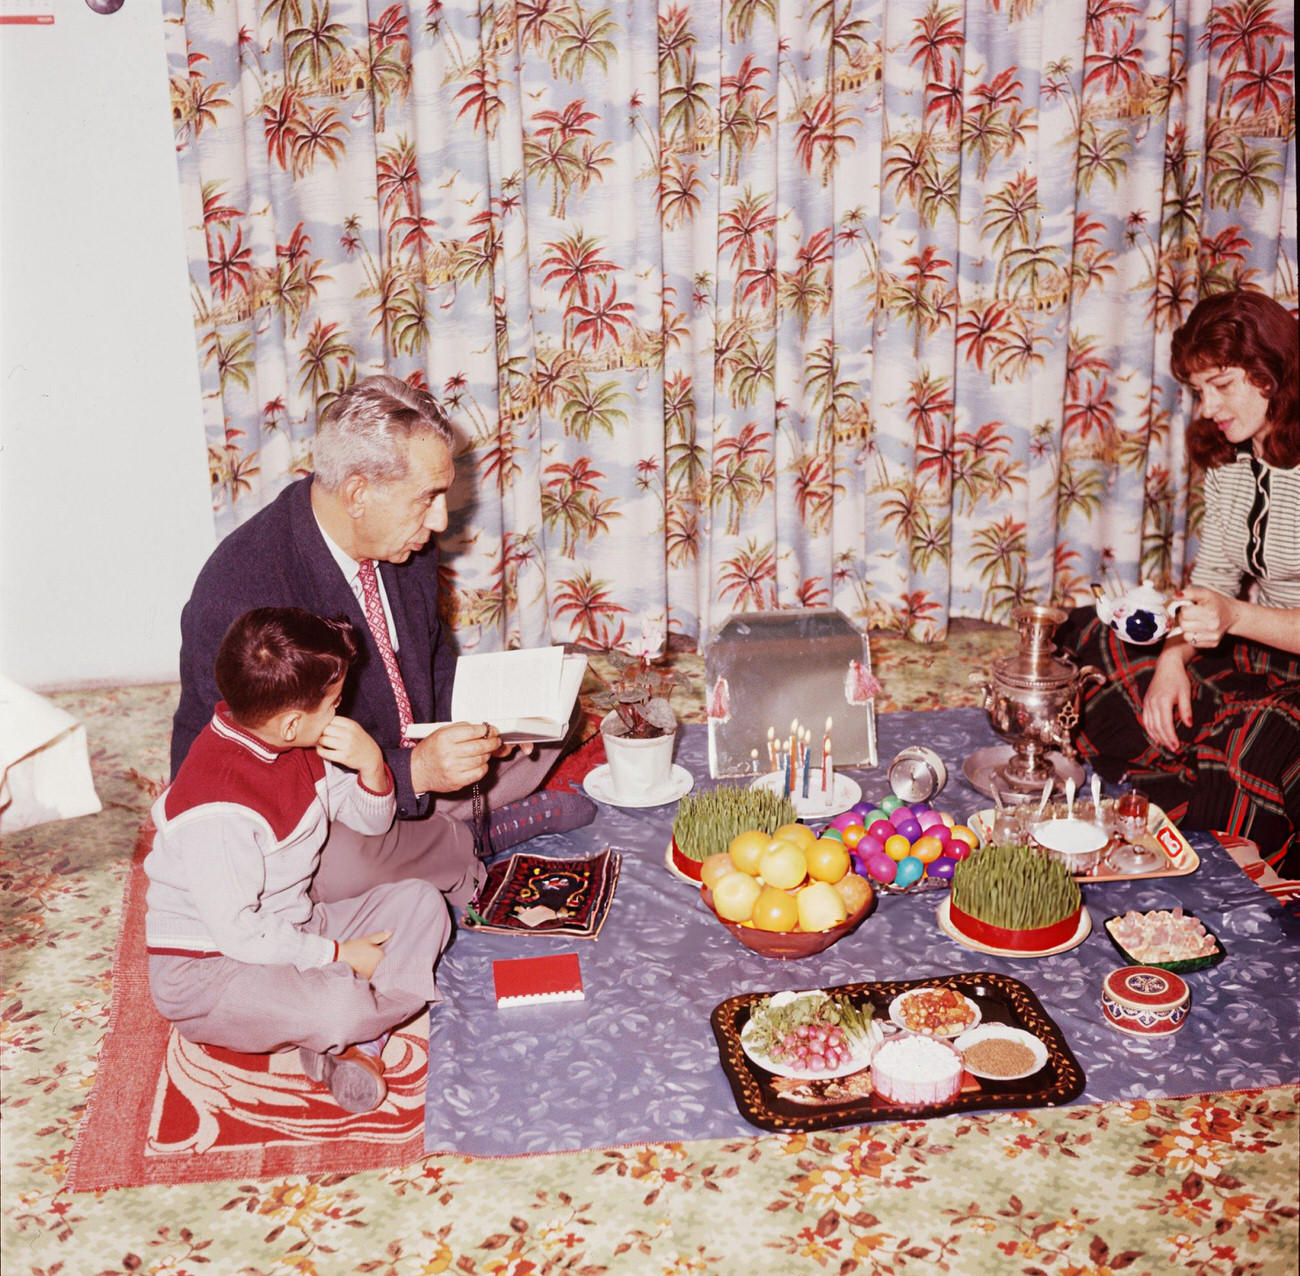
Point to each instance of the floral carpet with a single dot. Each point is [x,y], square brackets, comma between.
[1206,1184]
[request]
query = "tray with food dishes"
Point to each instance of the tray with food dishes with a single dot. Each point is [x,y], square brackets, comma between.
[892,1050]
[1169,939]
[1093,847]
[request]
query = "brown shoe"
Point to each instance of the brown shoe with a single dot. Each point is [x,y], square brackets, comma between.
[355,1079]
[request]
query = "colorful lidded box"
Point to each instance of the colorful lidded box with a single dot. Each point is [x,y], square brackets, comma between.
[1145,1001]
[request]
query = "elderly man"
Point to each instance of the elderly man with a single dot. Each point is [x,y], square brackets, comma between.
[354,540]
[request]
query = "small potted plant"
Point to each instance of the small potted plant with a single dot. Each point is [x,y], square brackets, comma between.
[639,727]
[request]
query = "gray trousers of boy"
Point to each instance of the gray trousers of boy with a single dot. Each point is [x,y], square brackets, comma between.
[262,1009]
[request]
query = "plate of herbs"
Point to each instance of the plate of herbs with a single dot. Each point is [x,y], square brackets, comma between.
[811,1034]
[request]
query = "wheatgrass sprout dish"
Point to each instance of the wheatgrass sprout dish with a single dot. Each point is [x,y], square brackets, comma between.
[707,822]
[1013,888]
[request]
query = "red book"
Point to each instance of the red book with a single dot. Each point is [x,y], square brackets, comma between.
[521,981]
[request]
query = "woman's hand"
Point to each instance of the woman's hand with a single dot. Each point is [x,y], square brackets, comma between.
[1206,616]
[1168,701]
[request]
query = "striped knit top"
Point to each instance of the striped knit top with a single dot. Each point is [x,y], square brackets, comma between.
[1251,531]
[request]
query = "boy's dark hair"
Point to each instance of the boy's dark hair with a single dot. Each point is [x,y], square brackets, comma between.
[278,658]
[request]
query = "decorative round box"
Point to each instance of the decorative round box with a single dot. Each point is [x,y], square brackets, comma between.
[1145,1001]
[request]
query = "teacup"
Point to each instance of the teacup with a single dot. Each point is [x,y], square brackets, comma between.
[1142,615]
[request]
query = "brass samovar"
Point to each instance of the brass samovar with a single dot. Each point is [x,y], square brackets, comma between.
[1033,699]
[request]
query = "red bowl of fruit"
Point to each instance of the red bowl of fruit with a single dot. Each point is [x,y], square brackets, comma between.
[790,945]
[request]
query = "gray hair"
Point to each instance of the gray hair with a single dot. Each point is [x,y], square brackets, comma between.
[367,431]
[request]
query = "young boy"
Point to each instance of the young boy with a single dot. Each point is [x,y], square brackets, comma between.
[239,955]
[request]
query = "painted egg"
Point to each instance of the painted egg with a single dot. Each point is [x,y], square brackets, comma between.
[920,808]
[835,835]
[890,803]
[897,847]
[862,810]
[947,819]
[909,829]
[881,868]
[957,849]
[930,819]
[852,835]
[869,844]
[844,819]
[910,869]
[873,815]
[927,849]
[941,868]
[881,828]
[967,835]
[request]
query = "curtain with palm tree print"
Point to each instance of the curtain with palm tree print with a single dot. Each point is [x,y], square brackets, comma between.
[738,305]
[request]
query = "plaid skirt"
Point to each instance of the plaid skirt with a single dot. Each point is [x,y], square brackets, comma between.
[1238,770]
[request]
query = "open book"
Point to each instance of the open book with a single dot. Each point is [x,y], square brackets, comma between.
[526,695]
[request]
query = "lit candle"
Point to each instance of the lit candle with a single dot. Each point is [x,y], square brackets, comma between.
[753,761]
[771,747]
[827,770]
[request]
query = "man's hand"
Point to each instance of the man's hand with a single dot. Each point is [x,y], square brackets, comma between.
[364,954]
[454,756]
[1207,616]
[347,743]
[1168,696]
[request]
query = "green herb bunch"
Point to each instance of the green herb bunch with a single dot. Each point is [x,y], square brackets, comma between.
[772,1023]
[1015,888]
[707,822]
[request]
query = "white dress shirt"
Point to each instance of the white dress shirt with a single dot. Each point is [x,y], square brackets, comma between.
[351,570]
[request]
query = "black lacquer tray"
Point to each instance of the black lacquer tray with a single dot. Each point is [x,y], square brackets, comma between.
[1001,999]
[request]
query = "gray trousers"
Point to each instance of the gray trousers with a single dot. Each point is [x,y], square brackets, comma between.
[218,1001]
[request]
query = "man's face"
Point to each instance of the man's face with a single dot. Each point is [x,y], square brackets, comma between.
[399,517]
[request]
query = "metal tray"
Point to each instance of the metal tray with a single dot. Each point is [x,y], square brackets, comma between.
[1000,998]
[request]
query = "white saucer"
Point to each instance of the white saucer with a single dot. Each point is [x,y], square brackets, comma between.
[600,786]
[845,791]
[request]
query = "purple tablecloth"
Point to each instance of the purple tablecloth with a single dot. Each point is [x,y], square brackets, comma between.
[637,1059]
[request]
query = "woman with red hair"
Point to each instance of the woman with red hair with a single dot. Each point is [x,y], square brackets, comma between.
[1210,726]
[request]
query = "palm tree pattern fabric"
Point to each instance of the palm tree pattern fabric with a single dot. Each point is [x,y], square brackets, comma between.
[753,304]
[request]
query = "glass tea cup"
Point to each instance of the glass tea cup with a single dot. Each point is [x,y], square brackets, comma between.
[1132,811]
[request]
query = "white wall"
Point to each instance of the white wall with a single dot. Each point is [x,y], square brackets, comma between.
[104,506]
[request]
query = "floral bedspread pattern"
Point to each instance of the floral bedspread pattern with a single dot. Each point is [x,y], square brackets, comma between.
[737,305]
[1204,1184]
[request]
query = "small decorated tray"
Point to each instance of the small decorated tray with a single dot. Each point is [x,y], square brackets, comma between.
[1178,966]
[804,1104]
[1178,857]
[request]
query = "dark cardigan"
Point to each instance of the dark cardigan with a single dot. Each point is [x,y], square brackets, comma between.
[279,559]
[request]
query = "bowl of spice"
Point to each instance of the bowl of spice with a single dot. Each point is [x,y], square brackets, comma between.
[1001,1053]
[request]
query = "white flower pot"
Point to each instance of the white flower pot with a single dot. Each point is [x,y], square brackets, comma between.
[638,768]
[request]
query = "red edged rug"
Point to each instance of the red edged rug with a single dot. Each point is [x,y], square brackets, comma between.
[164,1110]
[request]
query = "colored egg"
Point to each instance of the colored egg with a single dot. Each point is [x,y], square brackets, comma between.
[969,836]
[909,829]
[869,844]
[881,868]
[835,835]
[897,847]
[861,810]
[890,803]
[844,819]
[910,869]
[873,815]
[852,835]
[930,819]
[882,829]
[947,819]
[941,868]
[927,849]
[920,808]
[957,849]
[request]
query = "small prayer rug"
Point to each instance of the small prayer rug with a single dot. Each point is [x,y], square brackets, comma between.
[164,1110]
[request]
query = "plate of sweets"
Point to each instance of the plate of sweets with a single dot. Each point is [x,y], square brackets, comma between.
[811,1035]
[934,1012]
[1169,939]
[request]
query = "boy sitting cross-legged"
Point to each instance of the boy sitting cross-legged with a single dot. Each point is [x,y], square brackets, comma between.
[239,955]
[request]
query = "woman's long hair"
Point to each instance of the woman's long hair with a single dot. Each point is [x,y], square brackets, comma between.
[1253,332]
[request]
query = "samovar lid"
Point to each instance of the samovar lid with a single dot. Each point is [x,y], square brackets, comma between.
[1035,664]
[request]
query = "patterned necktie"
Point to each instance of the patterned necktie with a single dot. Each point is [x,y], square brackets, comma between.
[378,623]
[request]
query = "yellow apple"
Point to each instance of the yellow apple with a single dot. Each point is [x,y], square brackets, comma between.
[820,907]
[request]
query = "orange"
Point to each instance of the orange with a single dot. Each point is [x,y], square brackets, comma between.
[783,866]
[775,910]
[800,834]
[735,895]
[715,867]
[828,861]
[855,891]
[746,850]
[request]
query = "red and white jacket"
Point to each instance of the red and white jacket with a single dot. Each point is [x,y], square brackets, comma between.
[239,836]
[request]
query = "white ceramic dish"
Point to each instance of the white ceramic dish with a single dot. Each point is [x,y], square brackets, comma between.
[845,791]
[600,786]
[998,1031]
[896,1015]
[860,1057]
